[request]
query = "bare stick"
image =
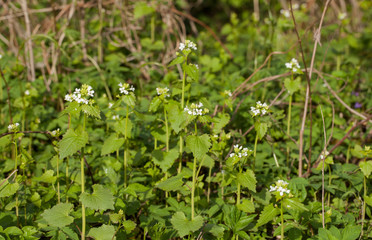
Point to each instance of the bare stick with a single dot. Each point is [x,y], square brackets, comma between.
[29,42]
[8,177]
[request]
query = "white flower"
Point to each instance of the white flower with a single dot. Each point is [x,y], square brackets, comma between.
[27,92]
[115,117]
[285,13]
[240,152]
[197,66]
[296,6]
[195,109]
[259,109]
[1,56]
[80,95]
[293,65]
[342,16]
[163,91]
[228,93]
[324,155]
[13,127]
[281,187]
[188,45]
[55,133]
[110,105]
[125,88]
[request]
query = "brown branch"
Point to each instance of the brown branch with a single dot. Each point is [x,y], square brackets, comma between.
[206,27]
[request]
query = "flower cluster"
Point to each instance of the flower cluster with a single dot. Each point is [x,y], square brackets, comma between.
[188,45]
[163,91]
[196,109]
[324,155]
[55,133]
[227,93]
[260,109]
[285,13]
[13,127]
[27,92]
[240,151]
[280,187]
[125,88]
[115,117]
[293,65]
[81,95]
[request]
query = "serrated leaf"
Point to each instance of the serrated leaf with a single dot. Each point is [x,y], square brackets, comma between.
[178,60]
[129,226]
[366,168]
[72,142]
[261,129]
[58,216]
[248,180]
[368,200]
[47,177]
[175,116]
[119,127]
[91,110]
[100,199]
[104,232]
[70,233]
[73,108]
[246,206]
[154,104]
[215,230]
[267,215]
[8,189]
[111,144]
[199,145]
[351,232]
[185,226]
[192,71]
[165,160]
[292,86]
[129,99]
[171,184]
[294,204]
[220,122]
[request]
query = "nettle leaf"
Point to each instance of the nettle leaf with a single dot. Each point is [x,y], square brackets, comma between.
[368,200]
[199,145]
[248,180]
[185,226]
[267,215]
[100,199]
[165,160]
[219,122]
[292,86]
[366,168]
[8,189]
[178,60]
[171,184]
[70,233]
[294,204]
[261,129]
[111,144]
[47,177]
[155,103]
[72,142]
[104,232]
[192,71]
[91,110]
[58,216]
[175,116]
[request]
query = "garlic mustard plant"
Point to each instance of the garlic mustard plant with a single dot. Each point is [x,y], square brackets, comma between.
[125,88]
[196,109]
[81,95]
[260,109]
[293,66]
[13,127]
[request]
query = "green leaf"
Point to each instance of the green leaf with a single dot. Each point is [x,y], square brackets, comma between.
[104,232]
[178,60]
[351,232]
[155,103]
[368,200]
[91,110]
[100,199]
[58,216]
[13,231]
[142,9]
[185,226]
[171,184]
[247,180]
[111,144]
[165,160]
[129,99]
[192,71]
[72,142]
[199,145]
[119,127]
[261,129]
[47,177]
[366,168]
[267,215]
[129,226]
[292,86]
[294,204]
[215,230]
[175,116]
[8,189]
[246,206]
[221,121]
[70,233]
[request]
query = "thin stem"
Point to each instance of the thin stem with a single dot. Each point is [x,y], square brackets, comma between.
[58,193]
[282,219]
[238,191]
[254,152]
[364,202]
[166,130]
[15,176]
[193,190]
[82,191]
[125,148]
[209,184]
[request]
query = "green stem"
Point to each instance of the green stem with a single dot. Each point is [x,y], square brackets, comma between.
[15,176]
[58,193]
[289,124]
[209,184]
[193,189]
[82,187]
[364,202]
[125,148]
[254,152]
[282,219]
[238,191]
[166,130]
[67,183]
